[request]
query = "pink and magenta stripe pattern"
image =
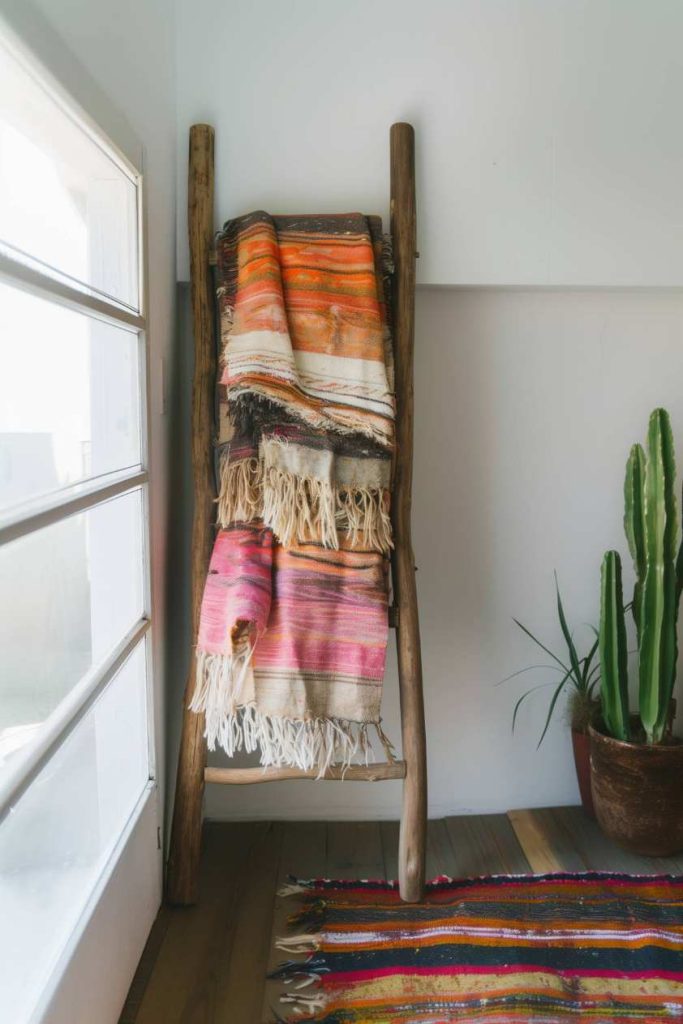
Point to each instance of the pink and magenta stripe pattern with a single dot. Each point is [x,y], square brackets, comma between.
[543,948]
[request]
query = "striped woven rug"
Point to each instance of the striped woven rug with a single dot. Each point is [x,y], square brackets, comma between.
[543,948]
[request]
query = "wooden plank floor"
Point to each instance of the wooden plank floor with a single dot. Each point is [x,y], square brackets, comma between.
[207,964]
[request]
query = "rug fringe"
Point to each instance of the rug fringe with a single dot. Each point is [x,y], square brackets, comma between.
[302,508]
[305,1004]
[302,974]
[297,944]
[294,889]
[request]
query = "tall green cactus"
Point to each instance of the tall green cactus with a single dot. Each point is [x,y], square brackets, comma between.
[658,648]
[634,521]
[613,651]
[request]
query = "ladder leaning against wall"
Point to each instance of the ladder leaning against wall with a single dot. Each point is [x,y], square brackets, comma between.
[182,878]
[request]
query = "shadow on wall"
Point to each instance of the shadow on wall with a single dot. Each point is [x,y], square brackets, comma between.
[527,402]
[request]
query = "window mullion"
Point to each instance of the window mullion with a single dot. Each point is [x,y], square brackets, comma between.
[56,288]
[65,717]
[70,501]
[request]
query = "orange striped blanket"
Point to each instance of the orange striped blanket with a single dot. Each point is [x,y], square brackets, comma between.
[293,630]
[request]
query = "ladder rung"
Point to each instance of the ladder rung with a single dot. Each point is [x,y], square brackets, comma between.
[335,773]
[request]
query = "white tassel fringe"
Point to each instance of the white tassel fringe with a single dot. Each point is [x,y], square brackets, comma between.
[297,944]
[240,495]
[304,508]
[219,684]
[309,744]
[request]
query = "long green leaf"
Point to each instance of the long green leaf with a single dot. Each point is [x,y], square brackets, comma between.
[529,668]
[587,662]
[553,702]
[573,657]
[542,646]
[541,686]
[595,672]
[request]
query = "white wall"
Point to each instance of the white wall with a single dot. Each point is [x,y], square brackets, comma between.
[548,154]
[549,149]
[527,402]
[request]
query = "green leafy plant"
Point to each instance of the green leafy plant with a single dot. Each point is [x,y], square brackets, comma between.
[651,526]
[579,676]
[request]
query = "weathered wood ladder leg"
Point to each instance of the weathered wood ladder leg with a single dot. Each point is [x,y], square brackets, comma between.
[183,863]
[182,873]
[413,834]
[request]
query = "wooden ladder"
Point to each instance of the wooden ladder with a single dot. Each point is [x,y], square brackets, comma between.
[182,876]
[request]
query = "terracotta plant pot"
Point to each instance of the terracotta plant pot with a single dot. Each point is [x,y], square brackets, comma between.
[582,763]
[638,794]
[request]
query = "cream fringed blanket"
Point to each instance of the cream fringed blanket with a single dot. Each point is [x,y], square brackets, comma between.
[293,631]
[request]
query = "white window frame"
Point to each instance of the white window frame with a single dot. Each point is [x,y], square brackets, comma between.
[34,277]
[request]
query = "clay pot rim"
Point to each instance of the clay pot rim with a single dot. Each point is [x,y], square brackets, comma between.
[627,745]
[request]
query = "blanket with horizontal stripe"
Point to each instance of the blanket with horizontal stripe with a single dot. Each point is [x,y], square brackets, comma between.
[293,627]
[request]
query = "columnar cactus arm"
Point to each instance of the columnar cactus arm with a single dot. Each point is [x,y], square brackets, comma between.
[658,609]
[679,569]
[613,652]
[634,521]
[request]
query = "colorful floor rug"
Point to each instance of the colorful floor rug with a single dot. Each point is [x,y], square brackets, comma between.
[542,948]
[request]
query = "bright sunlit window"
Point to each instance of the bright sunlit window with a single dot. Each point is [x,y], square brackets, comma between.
[74,603]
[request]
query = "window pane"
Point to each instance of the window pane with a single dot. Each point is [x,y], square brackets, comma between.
[68,594]
[69,400]
[56,840]
[62,199]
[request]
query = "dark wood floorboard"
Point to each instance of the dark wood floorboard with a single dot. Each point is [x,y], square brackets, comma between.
[389,831]
[303,854]
[485,844]
[354,850]
[207,964]
[599,854]
[194,960]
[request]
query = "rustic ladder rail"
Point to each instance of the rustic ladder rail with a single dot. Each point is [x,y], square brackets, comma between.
[183,863]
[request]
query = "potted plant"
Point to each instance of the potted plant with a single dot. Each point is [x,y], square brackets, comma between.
[579,677]
[636,763]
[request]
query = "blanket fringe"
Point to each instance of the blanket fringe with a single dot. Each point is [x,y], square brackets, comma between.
[240,492]
[364,516]
[302,508]
[219,683]
[311,743]
[299,508]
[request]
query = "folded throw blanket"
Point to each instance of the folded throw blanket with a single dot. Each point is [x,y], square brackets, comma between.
[293,630]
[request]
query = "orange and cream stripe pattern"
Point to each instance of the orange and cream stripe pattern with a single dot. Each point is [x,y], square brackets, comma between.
[304,320]
[514,949]
[305,394]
